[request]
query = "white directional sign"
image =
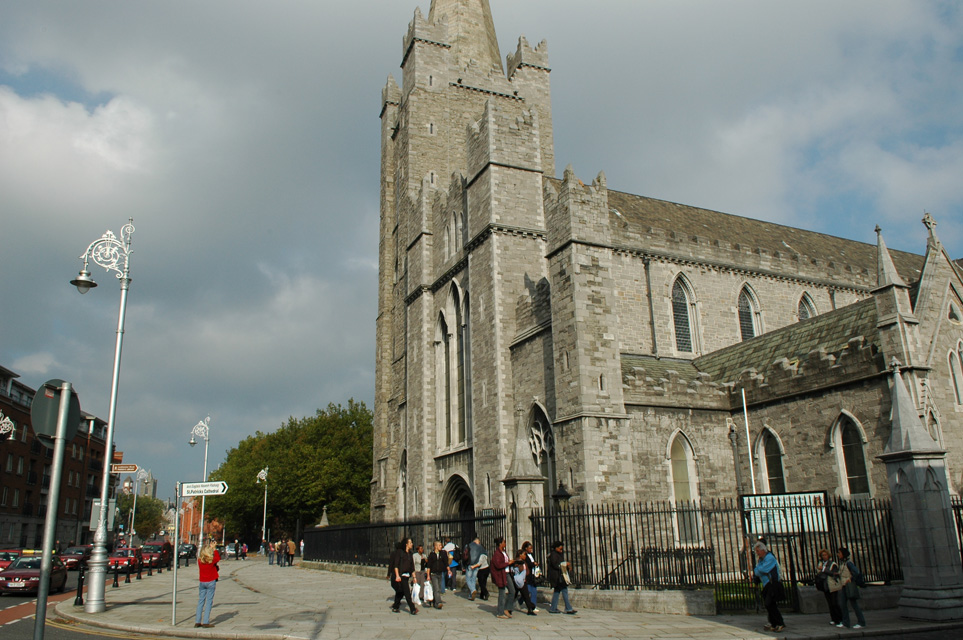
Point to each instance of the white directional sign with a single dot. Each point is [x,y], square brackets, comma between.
[203,489]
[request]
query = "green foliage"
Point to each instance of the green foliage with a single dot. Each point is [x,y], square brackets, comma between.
[149,517]
[317,461]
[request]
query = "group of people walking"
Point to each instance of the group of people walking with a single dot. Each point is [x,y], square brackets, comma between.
[416,577]
[283,550]
[839,580]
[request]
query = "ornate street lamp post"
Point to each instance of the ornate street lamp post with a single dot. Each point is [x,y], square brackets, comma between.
[113,255]
[202,430]
[141,476]
[262,475]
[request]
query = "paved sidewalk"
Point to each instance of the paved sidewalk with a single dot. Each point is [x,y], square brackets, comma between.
[258,601]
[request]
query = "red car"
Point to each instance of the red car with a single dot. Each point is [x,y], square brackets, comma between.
[76,557]
[157,554]
[7,556]
[123,557]
[23,574]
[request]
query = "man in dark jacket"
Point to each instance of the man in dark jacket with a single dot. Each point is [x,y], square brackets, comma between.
[400,569]
[437,567]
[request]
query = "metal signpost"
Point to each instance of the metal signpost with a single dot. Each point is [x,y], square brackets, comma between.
[59,394]
[185,489]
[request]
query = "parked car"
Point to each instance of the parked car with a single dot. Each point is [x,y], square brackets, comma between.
[187,550]
[76,557]
[125,556]
[157,554]
[7,556]
[23,574]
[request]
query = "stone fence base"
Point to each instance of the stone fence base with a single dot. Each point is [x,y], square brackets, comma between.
[873,597]
[696,603]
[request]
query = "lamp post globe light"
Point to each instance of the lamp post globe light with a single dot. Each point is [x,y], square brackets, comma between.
[113,255]
[202,430]
[262,475]
[6,426]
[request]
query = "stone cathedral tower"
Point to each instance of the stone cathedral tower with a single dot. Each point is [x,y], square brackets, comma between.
[464,145]
[536,330]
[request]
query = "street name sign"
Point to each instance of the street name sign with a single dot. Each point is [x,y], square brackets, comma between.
[203,489]
[123,468]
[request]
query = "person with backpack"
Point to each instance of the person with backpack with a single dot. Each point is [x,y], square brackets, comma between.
[851,579]
[767,573]
[827,581]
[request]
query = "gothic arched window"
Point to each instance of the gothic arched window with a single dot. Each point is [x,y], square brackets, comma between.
[685,490]
[541,438]
[748,314]
[681,319]
[770,454]
[806,309]
[852,457]
[956,376]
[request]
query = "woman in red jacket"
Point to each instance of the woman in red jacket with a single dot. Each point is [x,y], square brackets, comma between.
[207,567]
[500,565]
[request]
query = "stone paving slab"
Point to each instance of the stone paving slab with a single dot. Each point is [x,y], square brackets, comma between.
[258,601]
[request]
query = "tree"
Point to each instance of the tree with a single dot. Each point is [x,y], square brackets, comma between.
[317,461]
[149,518]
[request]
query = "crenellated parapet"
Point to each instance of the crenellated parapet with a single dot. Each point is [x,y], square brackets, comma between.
[421,30]
[527,56]
[671,387]
[576,211]
[390,94]
[813,372]
[505,136]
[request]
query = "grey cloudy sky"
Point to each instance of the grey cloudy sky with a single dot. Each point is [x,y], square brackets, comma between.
[242,137]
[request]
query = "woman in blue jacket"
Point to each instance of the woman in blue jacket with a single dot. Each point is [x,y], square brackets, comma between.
[767,572]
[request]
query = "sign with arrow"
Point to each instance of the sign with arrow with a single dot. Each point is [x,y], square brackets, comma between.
[123,468]
[189,489]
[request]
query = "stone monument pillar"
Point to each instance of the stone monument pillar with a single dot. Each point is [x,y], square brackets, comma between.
[525,488]
[922,516]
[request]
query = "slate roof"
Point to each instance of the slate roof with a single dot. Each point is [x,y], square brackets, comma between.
[643,212]
[831,331]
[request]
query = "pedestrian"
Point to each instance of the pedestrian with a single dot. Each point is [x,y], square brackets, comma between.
[501,576]
[244,551]
[437,567]
[559,572]
[292,547]
[419,559]
[827,581]
[475,552]
[452,551]
[848,595]
[270,553]
[237,550]
[301,550]
[208,569]
[484,570]
[520,578]
[534,573]
[401,567]
[767,573]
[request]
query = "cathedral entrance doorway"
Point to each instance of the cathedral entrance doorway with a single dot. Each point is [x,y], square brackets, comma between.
[457,500]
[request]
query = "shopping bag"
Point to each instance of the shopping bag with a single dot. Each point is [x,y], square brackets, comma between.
[426,593]
[416,593]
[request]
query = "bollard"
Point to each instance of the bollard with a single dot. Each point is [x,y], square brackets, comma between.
[79,600]
[149,572]
[187,561]
[116,572]
[140,567]
[160,567]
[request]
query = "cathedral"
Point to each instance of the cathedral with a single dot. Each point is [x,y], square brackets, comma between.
[625,348]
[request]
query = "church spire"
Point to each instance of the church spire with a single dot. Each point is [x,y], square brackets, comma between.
[886,273]
[471,31]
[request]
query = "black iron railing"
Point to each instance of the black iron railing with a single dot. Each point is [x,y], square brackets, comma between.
[372,544]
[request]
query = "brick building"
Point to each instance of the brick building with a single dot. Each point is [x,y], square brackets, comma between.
[26,467]
[535,325]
